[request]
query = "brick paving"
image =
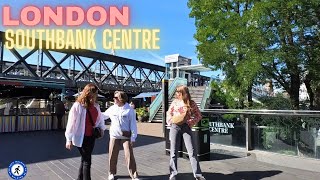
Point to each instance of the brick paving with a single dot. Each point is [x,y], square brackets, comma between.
[46,158]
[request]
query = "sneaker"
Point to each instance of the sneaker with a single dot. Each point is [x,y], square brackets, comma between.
[200,178]
[172,177]
[111,177]
[135,179]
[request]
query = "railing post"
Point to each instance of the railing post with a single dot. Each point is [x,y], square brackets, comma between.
[248,134]
[165,103]
[17,116]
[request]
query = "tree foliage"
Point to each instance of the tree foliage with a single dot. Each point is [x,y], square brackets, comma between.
[222,96]
[254,40]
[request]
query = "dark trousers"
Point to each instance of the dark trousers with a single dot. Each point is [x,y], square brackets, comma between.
[59,118]
[86,152]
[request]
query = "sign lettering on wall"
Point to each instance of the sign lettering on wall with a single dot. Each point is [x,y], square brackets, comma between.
[220,127]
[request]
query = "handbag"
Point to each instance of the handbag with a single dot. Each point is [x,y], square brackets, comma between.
[96,133]
[126,134]
[179,119]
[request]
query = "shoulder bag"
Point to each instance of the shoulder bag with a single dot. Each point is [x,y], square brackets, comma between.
[96,133]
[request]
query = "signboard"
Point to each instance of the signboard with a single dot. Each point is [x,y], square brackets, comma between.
[171,58]
[220,127]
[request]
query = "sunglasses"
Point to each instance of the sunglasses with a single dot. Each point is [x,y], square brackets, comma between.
[115,97]
[94,90]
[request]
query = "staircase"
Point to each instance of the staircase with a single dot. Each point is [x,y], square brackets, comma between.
[196,93]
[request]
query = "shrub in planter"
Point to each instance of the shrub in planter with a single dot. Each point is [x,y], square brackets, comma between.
[142,114]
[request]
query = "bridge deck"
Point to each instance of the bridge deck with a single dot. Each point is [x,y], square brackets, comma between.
[46,158]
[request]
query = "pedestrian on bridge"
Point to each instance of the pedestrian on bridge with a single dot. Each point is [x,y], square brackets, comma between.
[84,113]
[182,114]
[123,132]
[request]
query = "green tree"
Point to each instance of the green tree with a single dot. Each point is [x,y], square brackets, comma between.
[224,33]
[253,40]
[222,96]
[289,28]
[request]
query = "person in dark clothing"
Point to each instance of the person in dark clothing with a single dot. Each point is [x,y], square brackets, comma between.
[60,110]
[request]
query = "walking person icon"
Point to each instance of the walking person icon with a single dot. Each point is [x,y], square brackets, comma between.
[16,170]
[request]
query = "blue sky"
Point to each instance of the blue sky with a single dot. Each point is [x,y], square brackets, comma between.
[171,17]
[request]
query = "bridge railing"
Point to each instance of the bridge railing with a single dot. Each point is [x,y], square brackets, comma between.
[289,132]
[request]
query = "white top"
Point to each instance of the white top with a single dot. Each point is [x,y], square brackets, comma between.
[76,123]
[122,119]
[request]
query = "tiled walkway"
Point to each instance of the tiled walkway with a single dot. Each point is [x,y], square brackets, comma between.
[46,158]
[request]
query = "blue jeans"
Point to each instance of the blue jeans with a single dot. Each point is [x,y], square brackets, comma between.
[175,140]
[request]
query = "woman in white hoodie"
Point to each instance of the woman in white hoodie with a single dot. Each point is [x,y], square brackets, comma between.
[123,131]
[84,113]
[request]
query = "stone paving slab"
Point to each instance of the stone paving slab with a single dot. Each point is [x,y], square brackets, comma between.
[47,159]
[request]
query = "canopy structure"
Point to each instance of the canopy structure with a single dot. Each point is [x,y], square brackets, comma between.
[193,68]
[146,94]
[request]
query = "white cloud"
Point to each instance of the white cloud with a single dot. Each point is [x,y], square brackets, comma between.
[144,56]
[157,59]
[156,56]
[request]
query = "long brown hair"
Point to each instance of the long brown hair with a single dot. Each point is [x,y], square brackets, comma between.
[88,95]
[185,95]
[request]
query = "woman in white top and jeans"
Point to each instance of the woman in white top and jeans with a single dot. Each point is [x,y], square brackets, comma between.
[79,130]
[181,105]
[123,131]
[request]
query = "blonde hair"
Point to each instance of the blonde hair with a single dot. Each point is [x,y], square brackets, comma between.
[184,90]
[123,98]
[88,95]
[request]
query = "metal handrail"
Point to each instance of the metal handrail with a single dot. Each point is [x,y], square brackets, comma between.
[156,104]
[206,95]
[309,113]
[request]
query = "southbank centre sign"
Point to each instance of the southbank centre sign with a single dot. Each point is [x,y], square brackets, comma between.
[220,127]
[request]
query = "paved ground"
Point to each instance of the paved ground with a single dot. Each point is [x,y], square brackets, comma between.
[46,158]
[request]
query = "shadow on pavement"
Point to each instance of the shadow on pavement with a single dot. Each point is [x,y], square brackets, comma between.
[39,146]
[247,175]
[218,156]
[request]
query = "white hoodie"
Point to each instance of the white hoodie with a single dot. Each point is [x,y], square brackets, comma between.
[122,119]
